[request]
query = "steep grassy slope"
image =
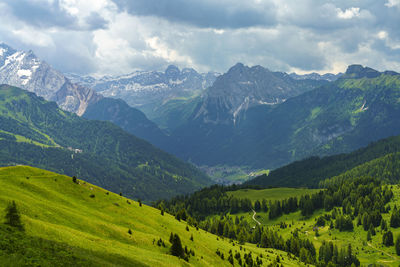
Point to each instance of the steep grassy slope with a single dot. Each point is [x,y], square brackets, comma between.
[84,224]
[310,171]
[36,132]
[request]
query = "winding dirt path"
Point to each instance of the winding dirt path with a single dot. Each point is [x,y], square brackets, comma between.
[254,217]
[387,254]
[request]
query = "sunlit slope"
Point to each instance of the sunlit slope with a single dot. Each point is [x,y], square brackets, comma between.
[94,224]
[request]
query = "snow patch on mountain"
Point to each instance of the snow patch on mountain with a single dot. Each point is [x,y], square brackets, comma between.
[149,88]
[25,70]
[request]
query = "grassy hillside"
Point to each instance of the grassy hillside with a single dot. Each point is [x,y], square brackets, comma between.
[81,224]
[35,132]
[271,194]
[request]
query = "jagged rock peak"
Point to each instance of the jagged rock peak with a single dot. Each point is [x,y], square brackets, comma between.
[237,67]
[358,71]
[172,71]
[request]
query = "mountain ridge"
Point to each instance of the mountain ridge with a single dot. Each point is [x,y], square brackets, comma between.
[333,118]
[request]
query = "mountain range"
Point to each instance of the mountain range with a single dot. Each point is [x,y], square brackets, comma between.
[147,90]
[27,71]
[270,120]
[249,117]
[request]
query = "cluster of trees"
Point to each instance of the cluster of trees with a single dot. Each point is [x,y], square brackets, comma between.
[277,208]
[329,254]
[344,223]
[239,229]
[395,218]
[211,200]
[387,238]
[177,248]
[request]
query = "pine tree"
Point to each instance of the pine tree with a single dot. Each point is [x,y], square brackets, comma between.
[176,248]
[397,245]
[12,216]
[395,218]
[369,238]
[387,239]
[372,229]
[383,225]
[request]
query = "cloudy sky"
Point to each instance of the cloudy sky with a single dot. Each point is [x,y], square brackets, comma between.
[118,36]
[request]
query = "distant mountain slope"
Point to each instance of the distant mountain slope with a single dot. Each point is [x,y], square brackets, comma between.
[360,107]
[309,172]
[243,87]
[386,168]
[130,119]
[25,70]
[148,90]
[79,224]
[34,131]
[315,76]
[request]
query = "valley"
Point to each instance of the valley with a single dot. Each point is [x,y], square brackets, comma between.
[199,133]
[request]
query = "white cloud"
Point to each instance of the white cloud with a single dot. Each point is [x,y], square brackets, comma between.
[31,36]
[392,3]
[382,35]
[348,13]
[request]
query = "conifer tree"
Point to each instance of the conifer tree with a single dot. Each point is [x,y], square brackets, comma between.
[397,245]
[369,238]
[387,239]
[176,248]
[13,217]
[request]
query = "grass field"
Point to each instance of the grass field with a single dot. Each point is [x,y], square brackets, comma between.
[372,252]
[272,193]
[88,224]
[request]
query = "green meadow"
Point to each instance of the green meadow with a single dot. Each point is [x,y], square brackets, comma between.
[80,224]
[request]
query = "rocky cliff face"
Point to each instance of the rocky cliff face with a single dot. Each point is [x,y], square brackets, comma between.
[25,70]
[243,87]
[147,90]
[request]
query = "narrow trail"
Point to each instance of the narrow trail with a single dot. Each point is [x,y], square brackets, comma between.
[387,254]
[254,217]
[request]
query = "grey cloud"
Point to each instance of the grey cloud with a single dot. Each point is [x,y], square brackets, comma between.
[44,14]
[208,13]
[306,34]
[94,21]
